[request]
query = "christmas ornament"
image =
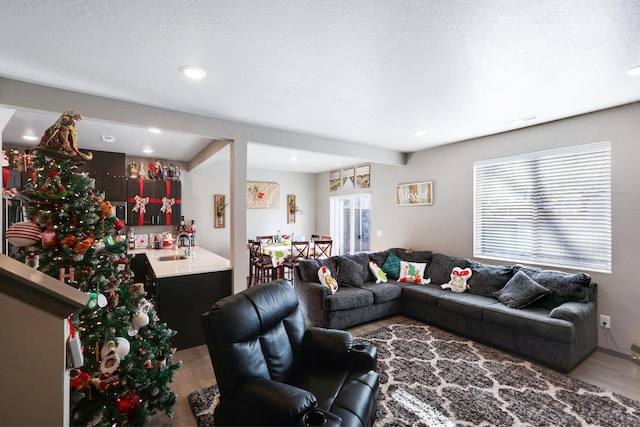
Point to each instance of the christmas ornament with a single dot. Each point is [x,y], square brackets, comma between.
[118,224]
[107,209]
[70,275]
[69,241]
[128,404]
[23,234]
[79,380]
[32,260]
[60,141]
[96,300]
[49,238]
[52,187]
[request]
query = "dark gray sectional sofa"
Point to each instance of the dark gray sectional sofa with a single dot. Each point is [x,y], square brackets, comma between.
[555,323]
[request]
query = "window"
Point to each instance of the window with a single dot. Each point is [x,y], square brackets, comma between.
[550,207]
[351,223]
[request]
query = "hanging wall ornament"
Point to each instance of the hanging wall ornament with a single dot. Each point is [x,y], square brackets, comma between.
[32,260]
[70,275]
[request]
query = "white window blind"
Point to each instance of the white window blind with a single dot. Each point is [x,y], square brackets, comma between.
[550,207]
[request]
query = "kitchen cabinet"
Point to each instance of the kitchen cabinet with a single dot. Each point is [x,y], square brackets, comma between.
[155,191]
[114,188]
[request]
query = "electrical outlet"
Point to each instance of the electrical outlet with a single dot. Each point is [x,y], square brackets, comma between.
[605,321]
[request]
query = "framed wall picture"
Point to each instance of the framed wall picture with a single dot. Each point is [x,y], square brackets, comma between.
[219,209]
[414,194]
[334,181]
[348,179]
[263,195]
[363,175]
[292,208]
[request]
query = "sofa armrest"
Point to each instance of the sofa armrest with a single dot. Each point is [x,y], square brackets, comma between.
[279,400]
[574,312]
[310,296]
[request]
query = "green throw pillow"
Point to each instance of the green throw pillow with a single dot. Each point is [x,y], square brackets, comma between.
[392,267]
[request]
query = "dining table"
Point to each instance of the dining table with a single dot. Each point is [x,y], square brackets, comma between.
[277,252]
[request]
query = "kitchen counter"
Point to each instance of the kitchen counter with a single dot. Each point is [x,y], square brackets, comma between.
[183,289]
[200,261]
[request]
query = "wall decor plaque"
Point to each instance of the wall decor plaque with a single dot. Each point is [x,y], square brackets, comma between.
[414,194]
[263,195]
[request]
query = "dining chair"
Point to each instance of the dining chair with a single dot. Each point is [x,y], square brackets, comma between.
[299,251]
[322,249]
[315,237]
[264,239]
[264,270]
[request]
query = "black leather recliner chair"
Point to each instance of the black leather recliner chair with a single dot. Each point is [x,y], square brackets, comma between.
[272,370]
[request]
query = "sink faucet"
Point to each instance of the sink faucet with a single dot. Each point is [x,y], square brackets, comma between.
[182,237]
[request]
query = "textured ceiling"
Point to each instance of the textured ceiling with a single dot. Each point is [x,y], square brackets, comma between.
[370,72]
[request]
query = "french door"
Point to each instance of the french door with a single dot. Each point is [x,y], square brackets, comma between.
[351,223]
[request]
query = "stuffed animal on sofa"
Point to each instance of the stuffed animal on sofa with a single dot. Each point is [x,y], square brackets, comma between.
[381,276]
[458,282]
[324,274]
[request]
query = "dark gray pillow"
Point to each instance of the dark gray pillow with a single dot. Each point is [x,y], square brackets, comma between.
[439,271]
[309,268]
[349,272]
[487,278]
[563,287]
[521,291]
[363,260]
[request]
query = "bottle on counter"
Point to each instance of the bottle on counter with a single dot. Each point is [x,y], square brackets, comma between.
[193,233]
[131,238]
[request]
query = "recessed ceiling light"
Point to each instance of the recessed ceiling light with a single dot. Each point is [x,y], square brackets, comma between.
[193,72]
[293,158]
[155,130]
[420,132]
[147,150]
[634,71]
[30,137]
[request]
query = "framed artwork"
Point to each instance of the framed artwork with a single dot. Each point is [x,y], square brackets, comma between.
[348,179]
[292,208]
[363,175]
[263,195]
[219,207]
[334,181]
[414,194]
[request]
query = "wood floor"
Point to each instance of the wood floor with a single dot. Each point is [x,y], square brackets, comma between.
[608,371]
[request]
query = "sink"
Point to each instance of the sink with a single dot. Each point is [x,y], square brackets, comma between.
[171,257]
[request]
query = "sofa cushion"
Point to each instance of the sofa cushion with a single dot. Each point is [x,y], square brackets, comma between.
[392,266]
[563,287]
[412,272]
[383,292]
[349,272]
[467,305]
[309,268]
[428,294]
[488,278]
[531,320]
[439,271]
[347,298]
[363,260]
[379,257]
[521,291]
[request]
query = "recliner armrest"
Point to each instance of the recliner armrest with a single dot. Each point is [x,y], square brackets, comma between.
[279,400]
[336,347]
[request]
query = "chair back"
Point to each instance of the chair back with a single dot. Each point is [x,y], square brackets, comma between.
[315,237]
[264,239]
[256,333]
[322,249]
[299,251]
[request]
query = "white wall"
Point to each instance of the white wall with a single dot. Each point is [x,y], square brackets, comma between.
[447,226]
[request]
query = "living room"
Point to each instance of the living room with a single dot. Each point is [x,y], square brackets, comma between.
[446,226]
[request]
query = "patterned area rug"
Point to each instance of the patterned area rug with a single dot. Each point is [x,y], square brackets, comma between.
[429,377]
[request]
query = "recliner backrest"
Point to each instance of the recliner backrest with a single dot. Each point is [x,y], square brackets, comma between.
[257,333]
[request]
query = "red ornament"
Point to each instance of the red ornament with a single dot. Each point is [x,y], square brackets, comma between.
[79,380]
[49,238]
[128,404]
[118,224]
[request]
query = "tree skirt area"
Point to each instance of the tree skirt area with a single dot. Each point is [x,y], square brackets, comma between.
[429,377]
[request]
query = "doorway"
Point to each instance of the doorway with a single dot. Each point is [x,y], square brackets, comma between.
[351,223]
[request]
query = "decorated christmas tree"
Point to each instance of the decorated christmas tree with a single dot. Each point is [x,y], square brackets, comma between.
[123,359]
